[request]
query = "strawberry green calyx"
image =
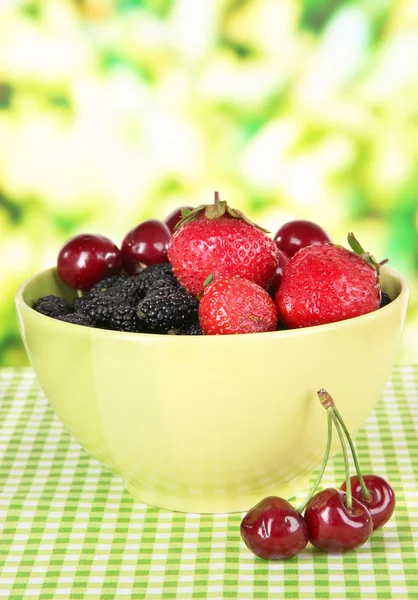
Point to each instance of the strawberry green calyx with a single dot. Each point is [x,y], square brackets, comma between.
[214,211]
[366,256]
[208,280]
[185,212]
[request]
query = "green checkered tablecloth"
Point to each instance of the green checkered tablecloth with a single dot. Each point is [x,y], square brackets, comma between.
[69,531]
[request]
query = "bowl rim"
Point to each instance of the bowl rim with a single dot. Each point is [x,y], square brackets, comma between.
[393,307]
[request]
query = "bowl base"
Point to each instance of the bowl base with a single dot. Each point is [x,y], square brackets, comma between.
[221,503]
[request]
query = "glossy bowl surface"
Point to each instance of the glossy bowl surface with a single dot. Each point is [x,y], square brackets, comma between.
[209,424]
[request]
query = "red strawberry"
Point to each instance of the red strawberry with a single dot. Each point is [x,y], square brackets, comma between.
[219,240]
[236,305]
[327,283]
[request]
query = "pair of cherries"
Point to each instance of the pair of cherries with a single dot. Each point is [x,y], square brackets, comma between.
[85,259]
[334,520]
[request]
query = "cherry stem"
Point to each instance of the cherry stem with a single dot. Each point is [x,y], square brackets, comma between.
[322,469]
[328,402]
[80,293]
[364,489]
[216,197]
[348,495]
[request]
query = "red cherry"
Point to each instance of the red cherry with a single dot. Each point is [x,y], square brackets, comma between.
[294,235]
[334,528]
[276,279]
[274,529]
[381,503]
[145,245]
[175,216]
[85,259]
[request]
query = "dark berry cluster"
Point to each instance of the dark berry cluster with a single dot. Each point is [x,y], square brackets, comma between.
[149,302]
[167,308]
[52,306]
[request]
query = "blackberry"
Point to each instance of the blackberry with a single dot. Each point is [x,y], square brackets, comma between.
[123,318]
[80,302]
[52,306]
[192,329]
[98,309]
[109,312]
[160,284]
[118,287]
[166,309]
[77,319]
[385,299]
[158,271]
[148,278]
[106,284]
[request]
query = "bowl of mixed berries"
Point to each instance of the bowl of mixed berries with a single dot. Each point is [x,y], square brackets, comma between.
[188,358]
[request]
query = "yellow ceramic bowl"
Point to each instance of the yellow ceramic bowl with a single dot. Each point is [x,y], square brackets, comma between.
[208,424]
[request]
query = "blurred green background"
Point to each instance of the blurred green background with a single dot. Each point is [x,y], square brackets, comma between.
[116,111]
